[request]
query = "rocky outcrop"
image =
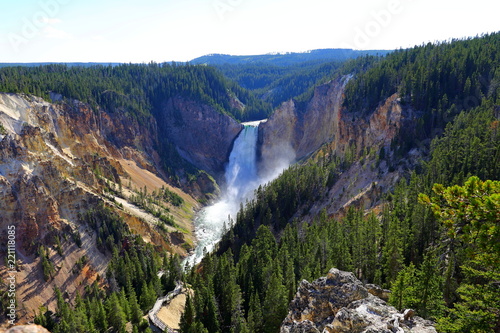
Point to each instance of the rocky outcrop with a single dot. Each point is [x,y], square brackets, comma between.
[26,329]
[202,135]
[341,303]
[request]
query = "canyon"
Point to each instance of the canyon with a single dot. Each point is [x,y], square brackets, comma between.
[61,158]
[322,126]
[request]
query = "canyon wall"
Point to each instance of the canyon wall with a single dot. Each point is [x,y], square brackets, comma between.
[322,126]
[323,119]
[57,161]
[203,135]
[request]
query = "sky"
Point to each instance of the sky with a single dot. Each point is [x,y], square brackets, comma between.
[141,31]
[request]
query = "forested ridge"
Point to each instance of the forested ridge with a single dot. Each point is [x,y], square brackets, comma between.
[288,58]
[137,89]
[441,79]
[276,84]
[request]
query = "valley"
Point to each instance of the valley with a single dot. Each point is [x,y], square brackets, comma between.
[126,182]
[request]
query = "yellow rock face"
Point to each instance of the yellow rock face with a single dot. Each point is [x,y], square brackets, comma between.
[56,162]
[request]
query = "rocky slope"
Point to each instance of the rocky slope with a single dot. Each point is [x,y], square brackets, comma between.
[203,135]
[59,160]
[340,303]
[324,127]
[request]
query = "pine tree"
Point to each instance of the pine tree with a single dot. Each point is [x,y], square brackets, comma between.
[135,309]
[275,304]
[124,303]
[116,316]
[470,214]
[403,291]
[187,318]
[211,320]
[255,318]
[393,250]
[101,320]
[428,286]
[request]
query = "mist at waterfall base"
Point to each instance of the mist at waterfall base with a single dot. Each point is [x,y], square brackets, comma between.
[242,178]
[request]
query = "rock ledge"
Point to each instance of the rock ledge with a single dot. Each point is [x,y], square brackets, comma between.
[341,303]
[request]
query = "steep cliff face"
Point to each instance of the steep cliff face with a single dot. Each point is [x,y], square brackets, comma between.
[59,160]
[340,303]
[324,120]
[202,135]
[294,133]
[302,130]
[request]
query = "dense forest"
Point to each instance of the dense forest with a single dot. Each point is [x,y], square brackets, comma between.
[138,89]
[408,249]
[435,241]
[440,80]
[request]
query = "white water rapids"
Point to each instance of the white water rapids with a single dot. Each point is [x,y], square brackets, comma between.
[242,178]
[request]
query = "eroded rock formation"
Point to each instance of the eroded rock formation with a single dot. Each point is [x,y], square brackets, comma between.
[58,160]
[340,303]
[323,126]
[203,135]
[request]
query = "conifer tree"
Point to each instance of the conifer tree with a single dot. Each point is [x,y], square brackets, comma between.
[254,318]
[116,316]
[403,292]
[135,309]
[275,304]
[428,287]
[188,316]
[393,250]
[471,215]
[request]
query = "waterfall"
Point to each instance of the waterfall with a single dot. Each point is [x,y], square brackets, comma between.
[241,180]
[241,172]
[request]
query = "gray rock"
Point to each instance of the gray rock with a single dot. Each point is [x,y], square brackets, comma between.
[378,291]
[27,329]
[340,303]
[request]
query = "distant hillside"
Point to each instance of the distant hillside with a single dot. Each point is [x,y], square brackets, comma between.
[286,59]
[276,78]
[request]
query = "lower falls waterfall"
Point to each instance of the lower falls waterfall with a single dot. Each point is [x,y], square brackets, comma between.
[242,178]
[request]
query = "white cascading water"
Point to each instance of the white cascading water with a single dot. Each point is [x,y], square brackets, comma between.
[241,181]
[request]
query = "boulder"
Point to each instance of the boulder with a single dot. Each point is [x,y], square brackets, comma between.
[340,303]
